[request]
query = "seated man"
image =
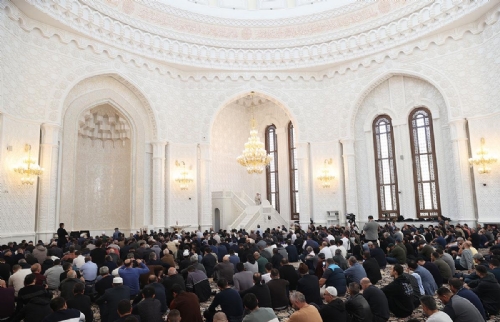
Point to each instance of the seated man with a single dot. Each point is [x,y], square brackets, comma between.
[355,272]
[457,288]
[150,308]
[186,303]
[458,308]
[399,293]
[372,268]
[257,314]
[357,307]
[279,290]
[334,310]
[377,301]
[260,290]
[242,279]
[430,309]
[197,282]
[60,312]
[488,290]
[303,311]
[428,282]
[333,276]
[125,311]
[229,301]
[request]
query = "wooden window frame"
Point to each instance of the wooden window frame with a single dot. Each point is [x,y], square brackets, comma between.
[425,213]
[274,153]
[386,214]
[294,191]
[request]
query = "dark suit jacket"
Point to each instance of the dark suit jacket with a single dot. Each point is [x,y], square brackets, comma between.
[109,302]
[309,286]
[82,303]
[169,281]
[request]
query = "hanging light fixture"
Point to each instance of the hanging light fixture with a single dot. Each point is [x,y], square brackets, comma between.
[29,168]
[254,157]
[482,160]
[184,179]
[325,176]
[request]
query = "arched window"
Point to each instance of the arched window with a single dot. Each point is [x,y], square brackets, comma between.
[425,171]
[294,174]
[272,169]
[385,168]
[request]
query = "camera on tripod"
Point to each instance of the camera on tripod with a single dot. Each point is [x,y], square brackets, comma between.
[351,218]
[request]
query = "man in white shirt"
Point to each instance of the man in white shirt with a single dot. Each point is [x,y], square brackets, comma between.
[326,250]
[16,280]
[79,260]
[430,309]
[346,242]
[332,247]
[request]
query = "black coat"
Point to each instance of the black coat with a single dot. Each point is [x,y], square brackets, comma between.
[293,255]
[82,303]
[261,292]
[309,286]
[358,309]
[378,302]
[108,303]
[399,294]
[372,270]
[35,311]
[168,282]
[379,256]
[288,272]
[334,311]
[488,290]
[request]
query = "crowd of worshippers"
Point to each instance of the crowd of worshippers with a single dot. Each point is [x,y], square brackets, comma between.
[324,274]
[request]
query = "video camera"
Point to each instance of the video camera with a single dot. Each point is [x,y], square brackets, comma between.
[351,218]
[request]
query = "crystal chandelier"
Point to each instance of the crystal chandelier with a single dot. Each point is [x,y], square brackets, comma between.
[29,169]
[482,159]
[325,176]
[184,179]
[254,157]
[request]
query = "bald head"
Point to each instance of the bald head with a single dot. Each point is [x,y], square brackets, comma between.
[365,282]
[171,271]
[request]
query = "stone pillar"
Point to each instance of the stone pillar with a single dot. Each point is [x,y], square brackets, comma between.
[47,224]
[205,195]
[463,182]
[304,184]
[158,185]
[351,190]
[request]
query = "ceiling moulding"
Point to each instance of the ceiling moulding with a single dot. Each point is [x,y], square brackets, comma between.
[66,37]
[114,33]
[301,30]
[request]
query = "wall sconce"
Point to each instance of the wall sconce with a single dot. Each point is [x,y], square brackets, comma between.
[482,160]
[325,175]
[184,179]
[29,169]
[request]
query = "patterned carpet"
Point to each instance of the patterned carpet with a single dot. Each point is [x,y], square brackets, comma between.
[285,314]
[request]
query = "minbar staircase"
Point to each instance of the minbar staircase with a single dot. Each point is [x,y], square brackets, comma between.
[250,215]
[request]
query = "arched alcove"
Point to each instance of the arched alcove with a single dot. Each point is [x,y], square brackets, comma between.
[397,96]
[229,133]
[103,113]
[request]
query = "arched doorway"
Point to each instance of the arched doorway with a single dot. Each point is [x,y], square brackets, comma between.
[216,219]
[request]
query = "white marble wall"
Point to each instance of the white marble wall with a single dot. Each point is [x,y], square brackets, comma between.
[42,77]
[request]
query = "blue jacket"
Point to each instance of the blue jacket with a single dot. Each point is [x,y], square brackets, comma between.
[428,282]
[131,275]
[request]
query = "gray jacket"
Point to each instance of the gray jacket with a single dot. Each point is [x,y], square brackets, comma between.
[371,230]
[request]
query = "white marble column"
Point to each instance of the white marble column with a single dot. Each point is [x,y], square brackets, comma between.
[463,183]
[205,194]
[159,185]
[304,183]
[47,224]
[351,190]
